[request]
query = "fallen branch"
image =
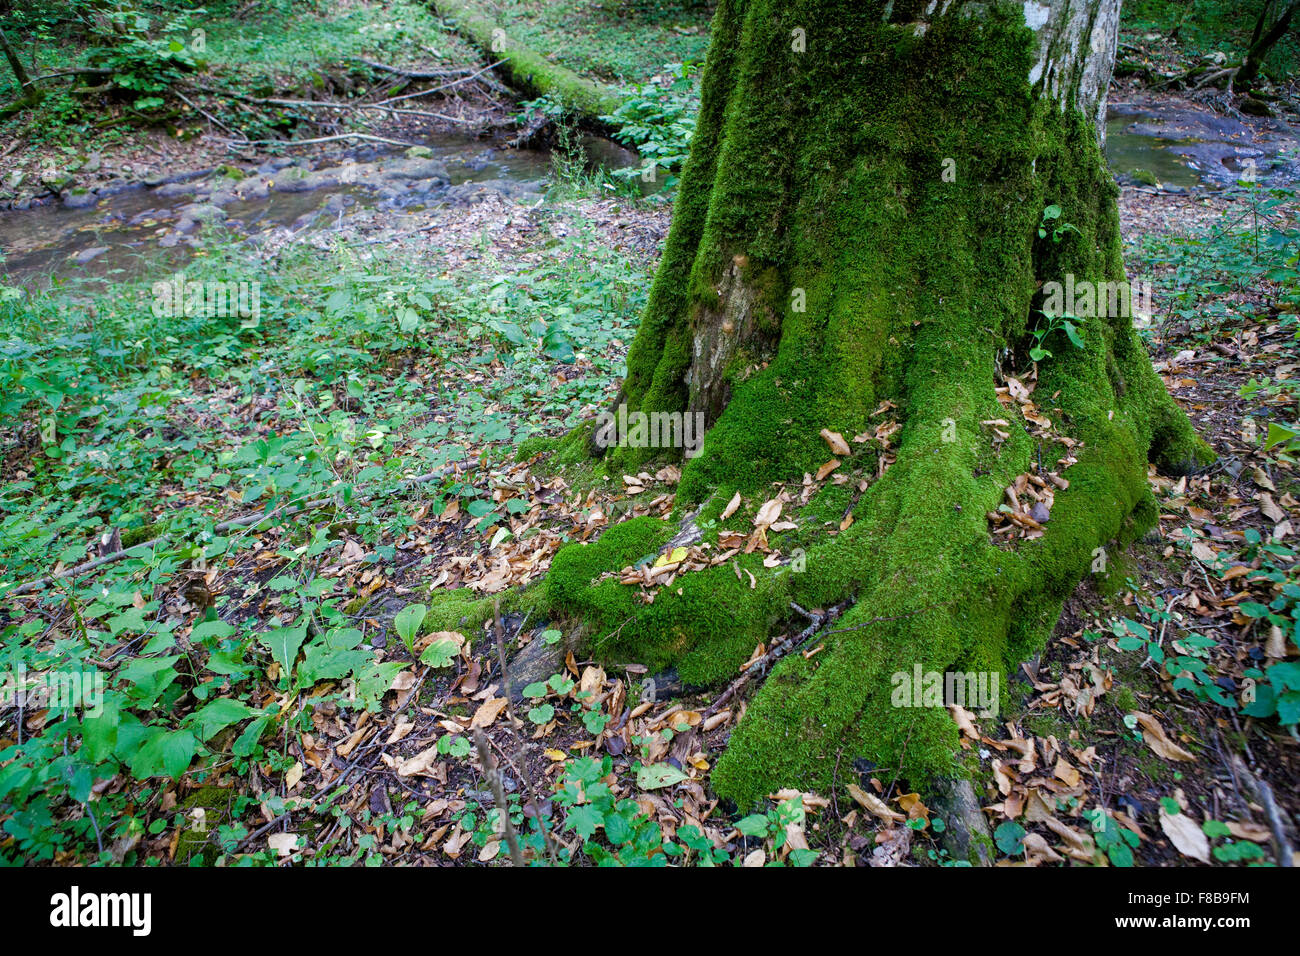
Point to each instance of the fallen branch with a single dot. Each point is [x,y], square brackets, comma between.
[324,139]
[489,82]
[412,74]
[324,105]
[819,620]
[528,70]
[499,634]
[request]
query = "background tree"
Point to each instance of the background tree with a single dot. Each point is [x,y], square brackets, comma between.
[859,239]
[1274,20]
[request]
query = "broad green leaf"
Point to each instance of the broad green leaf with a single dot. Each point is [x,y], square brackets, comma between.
[659,775]
[284,644]
[407,621]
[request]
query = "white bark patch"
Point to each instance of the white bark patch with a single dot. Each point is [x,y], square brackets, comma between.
[1036,15]
[1076,42]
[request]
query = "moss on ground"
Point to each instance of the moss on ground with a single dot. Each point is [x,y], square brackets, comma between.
[460,609]
[614,40]
[206,809]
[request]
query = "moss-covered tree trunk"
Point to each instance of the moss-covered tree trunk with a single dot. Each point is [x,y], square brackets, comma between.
[856,245]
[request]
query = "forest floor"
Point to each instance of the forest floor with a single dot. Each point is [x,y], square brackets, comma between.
[307,686]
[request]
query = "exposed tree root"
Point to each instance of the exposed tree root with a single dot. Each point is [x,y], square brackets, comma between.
[829,275]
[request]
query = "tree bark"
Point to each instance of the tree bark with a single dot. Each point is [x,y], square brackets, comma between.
[1263,39]
[15,64]
[855,242]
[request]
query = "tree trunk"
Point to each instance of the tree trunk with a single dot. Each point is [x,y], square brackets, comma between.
[15,64]
[856,243]
[1263,39]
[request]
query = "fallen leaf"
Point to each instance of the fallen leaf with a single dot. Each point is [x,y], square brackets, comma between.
[488,712]
[770,511]
[874,804]
[836,442]
[1186,836]
[420,763]
[1157,740]
[659,775]
[283,843]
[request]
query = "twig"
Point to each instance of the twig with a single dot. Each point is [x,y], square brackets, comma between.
[819,620]
[498,795]
[883,620]
[325,139]
[211,119]
[410,74]
[260,830]
[510,716]
[445,86]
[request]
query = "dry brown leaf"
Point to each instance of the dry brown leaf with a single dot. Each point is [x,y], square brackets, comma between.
[874,804]
[1157,740]
[1276,644]
[770,511]
[732,505]
[420,763]
[403,727]
[1066,772]
[836,442]
[1185,834]
[1255,832]
[913,807]
[488,712]
[964,720]
[1037,850]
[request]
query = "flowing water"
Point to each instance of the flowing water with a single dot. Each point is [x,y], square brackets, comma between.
[141,230]
[138,230]
[1155,143]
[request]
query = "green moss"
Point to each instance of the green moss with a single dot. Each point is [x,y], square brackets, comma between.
[1125,699]
[707,623]
[196,837]
[1114,580]
[536,445]
[146,532]
[528,69]
[460,609]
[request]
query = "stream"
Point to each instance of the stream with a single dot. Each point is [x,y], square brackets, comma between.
[152,228]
